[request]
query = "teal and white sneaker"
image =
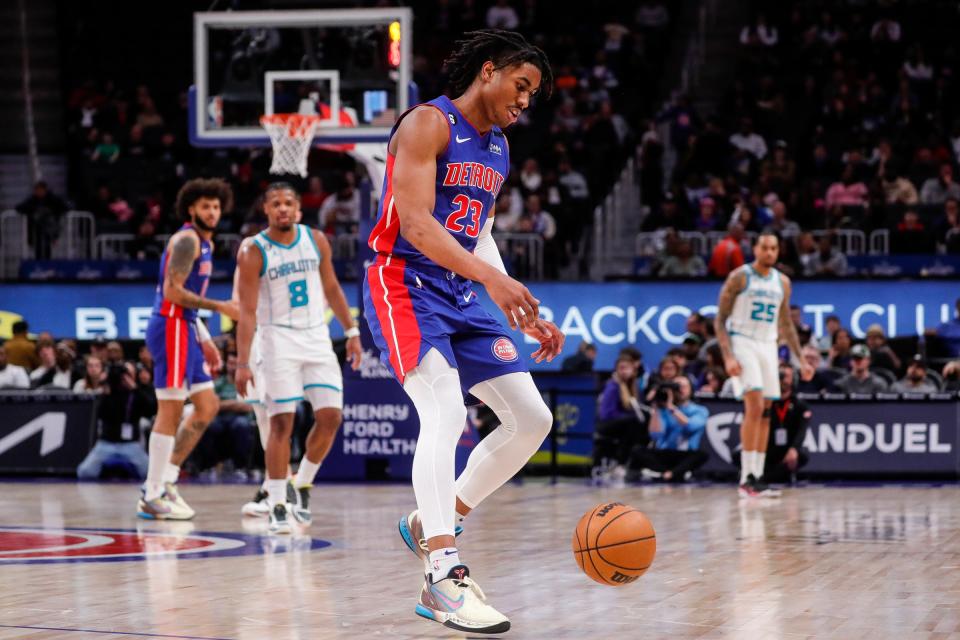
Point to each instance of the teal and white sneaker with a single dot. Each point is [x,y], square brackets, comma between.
[162,508]
[280,520]
[456,601]
[258,507]
[411,530]
[299,500]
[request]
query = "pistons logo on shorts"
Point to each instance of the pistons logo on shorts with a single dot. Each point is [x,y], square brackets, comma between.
[504,350]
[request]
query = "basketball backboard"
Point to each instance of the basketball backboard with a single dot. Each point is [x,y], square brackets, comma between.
[350,66]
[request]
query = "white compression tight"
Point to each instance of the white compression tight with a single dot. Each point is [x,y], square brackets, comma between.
[434,387]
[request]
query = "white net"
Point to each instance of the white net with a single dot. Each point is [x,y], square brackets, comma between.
[291,135]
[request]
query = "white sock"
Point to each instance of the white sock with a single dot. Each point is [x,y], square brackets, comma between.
[305,473]
[276,492]
[171,473]
[759,460]
[441,561]
[746,465]
[160,448]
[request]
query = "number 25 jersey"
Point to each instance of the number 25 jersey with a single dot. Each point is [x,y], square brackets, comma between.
[470,173]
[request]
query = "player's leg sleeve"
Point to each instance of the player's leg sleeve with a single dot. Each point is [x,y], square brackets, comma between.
[434,388]
[525,421]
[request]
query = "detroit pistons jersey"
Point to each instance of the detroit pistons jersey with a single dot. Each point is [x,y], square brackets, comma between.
[291,292]
[756,310]
[470,173]
[196,282]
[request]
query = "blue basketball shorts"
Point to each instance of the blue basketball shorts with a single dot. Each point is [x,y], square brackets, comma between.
[179,369]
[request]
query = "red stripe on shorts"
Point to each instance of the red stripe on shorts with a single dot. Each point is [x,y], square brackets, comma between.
[394,307]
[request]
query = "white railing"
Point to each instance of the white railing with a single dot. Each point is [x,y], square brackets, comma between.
[114,246]
[525,250]
[14,245]
[344,246]
[77,235]
[852,242]
[880,242]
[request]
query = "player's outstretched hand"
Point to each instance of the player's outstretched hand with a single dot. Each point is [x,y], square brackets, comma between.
[212,356]
[515,300]
[806,372]
[244,377]
[549,336]
[732,366]
[230,308]
[354,353]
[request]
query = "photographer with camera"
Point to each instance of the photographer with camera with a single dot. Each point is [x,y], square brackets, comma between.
[620,424]
[676,426]
[123,405]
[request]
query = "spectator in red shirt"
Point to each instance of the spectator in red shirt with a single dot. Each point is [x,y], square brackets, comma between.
[728,255]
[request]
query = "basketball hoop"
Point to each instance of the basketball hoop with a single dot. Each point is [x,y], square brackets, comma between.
[291,135]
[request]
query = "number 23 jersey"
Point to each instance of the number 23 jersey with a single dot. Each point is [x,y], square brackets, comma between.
[470,173]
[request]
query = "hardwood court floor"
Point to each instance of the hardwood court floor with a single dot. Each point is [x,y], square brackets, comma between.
[823,562]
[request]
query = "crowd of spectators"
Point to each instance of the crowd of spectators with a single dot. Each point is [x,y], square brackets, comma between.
[842,115]
[129,151]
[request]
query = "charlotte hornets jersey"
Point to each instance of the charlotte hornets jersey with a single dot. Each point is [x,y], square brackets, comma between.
[756,310]
[291,292]
[196,282]
[470,173]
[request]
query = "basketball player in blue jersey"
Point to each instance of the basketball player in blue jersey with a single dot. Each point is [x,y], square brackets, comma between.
[447,161]
[752,312]
[184,356]
[286,281]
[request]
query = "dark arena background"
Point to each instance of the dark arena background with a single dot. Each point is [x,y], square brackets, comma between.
[677,134]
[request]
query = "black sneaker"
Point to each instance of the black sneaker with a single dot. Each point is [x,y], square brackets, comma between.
[279,520]
[764,490]
[258,507]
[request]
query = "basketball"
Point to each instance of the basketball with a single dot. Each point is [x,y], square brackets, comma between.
[614,544]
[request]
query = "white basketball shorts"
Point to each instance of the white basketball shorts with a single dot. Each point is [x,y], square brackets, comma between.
[299,364]
[760,367]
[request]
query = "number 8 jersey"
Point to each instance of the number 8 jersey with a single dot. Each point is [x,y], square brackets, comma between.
[291,293]
[470,173]
[756,310]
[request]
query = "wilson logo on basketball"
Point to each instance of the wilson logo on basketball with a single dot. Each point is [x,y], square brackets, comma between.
[607,508]
[619,578]
[504,350]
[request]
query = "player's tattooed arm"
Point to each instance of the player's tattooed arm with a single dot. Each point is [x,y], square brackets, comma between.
[732,287]
[788,332]
[183,251]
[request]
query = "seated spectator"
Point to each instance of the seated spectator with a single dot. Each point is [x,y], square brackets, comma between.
[48,364]
[709,218]
[759,34]
[21,350]
[948,229]
[114,353]
[230,434]
[713,379]
[897,190]
[748,141]
[911,235]
[124,405]
[948,332]
[951,376]
[676,427]
[691,350]
[94,379]
[502,16]
[818,383]
[667,372]
[806,251]
[313,198]
[839,355]
[860,379]
[789,420]
[916,380]
[779,171]
[107,151]
[827,261]
[620,425]
[779,224]
[683,263]
[340,213]
[728,254]
[937,190]
[12,376]
[824,342]
[60,375]
[848,191]
[582,361]
[881,355]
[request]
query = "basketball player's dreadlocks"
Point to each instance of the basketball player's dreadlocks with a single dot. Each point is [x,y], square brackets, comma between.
[503,48]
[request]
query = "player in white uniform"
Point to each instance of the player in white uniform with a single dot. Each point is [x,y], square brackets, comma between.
[753,310]
[286,280]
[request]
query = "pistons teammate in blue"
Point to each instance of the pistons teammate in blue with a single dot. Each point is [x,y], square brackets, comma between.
[447,160]
[184,356]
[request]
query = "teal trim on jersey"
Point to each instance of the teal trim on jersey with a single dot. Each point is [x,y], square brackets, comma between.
[263,255]
[771,397]
[282,246]
[313,241]
[319,385]
[290,326]
[766,277]
[746,285]
[251,402]
[293,399]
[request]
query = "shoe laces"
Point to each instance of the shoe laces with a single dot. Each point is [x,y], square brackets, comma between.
[468,583]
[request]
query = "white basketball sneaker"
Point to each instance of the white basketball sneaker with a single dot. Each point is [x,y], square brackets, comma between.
[458,602]
[258,507]
[280,520]
[173,494]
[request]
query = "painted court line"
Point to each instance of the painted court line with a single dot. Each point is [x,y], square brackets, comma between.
[112,633]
